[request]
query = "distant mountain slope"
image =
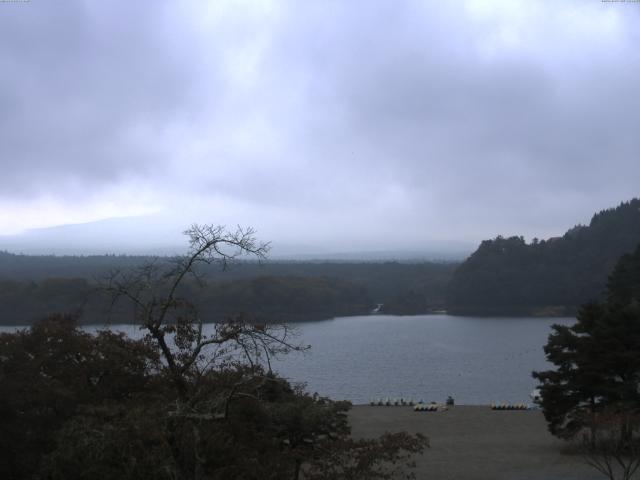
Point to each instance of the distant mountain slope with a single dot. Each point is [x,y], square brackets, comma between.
[142,235]
[508,275]
[161,235]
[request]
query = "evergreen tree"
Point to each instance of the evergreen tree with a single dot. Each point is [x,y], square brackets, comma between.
[597,359]
[510,276]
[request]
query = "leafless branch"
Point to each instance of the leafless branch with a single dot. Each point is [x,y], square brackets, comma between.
[153,289]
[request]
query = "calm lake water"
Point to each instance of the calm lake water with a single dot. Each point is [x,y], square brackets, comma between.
[424,357]
[427,357]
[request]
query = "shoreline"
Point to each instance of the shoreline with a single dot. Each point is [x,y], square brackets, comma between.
[313,318]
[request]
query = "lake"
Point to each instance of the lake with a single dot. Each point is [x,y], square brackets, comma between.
[426,357]
[476,360]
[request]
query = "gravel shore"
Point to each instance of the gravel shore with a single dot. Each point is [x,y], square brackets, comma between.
[477,443]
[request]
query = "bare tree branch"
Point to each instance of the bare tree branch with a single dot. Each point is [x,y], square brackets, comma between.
[153,289]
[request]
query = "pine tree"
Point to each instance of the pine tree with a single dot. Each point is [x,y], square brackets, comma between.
[597,359]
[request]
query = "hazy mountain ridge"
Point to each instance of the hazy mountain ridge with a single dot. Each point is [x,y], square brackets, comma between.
[509,275]
[156,235]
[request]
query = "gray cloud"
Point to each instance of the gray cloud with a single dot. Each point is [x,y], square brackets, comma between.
[332,122]
[86,91]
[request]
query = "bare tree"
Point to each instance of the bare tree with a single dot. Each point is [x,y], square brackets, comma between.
[173,322]
[224,390]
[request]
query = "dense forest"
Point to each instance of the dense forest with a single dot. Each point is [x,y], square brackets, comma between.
[32,287]
[503,276]
[509,275]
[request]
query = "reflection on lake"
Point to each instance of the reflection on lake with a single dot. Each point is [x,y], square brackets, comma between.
[475,360]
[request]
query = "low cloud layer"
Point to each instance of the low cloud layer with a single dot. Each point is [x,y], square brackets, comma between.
[354,125]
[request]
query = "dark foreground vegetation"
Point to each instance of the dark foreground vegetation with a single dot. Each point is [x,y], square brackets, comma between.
[593,394]
[76,406]
[179,403]
[510,276]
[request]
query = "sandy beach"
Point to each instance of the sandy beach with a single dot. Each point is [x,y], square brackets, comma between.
[477,443]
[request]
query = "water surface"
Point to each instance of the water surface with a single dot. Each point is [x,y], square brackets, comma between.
[424,357]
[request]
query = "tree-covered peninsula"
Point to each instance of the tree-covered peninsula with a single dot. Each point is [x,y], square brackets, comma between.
[553,276]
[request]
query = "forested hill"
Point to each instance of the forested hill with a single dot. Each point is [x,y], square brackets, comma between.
[508,275]
[32,287]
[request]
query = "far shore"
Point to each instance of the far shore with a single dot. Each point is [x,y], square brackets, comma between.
[316,317]
[477,443]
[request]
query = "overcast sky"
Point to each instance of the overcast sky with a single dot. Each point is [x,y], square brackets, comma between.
[345,124]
